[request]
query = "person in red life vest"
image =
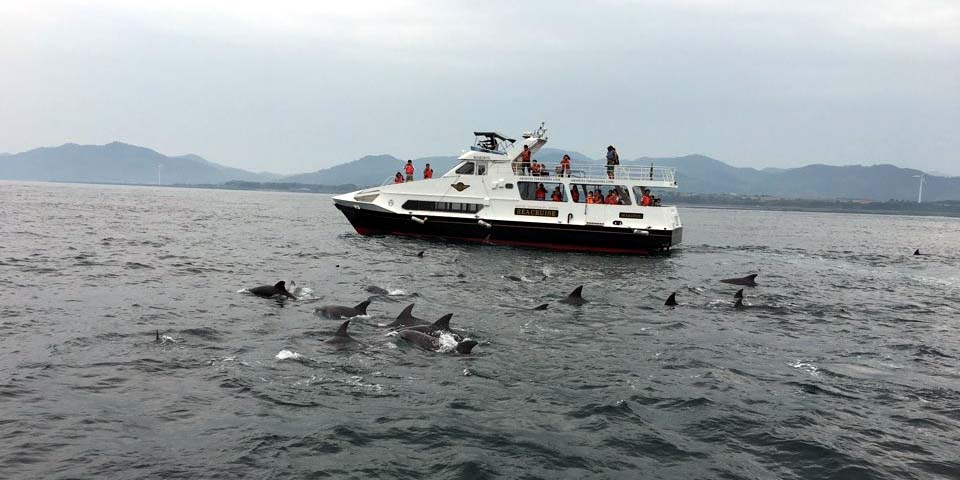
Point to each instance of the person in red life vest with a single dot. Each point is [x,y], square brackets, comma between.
[427,172]
[541,193]
[398,178]
[556,196]
[535,169]
[408,169]
[525,159]
[565,166]
[612,198]
[575,194]
[646,201]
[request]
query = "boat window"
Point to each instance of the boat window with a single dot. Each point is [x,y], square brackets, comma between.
[528,191]
[466,169]
[482,169]
[454,207]
[583,190]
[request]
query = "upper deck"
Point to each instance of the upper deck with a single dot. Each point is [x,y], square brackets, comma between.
[597,174]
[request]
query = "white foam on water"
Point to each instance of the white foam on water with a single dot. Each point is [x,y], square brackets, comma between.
[397,292]
[806,367]
[288,355]
[447,342]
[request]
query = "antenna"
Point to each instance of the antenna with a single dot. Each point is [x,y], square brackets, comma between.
[922,177]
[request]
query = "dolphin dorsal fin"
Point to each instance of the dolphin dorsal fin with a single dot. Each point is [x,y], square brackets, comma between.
[158,334]
[362,307]
[671,300]
[752,276]
[739,303]
[542,306]
[342,331]
[443,323]
[576,293]
[739,294]
[916,252]
[407,313]
[280,285]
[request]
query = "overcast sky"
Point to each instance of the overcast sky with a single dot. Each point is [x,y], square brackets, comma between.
[291,86]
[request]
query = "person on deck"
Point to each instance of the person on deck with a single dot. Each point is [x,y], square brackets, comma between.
[535,169]
[409,170]
[525,159]
[427,172]
[565,166]
[575,194]
[612,160]
[541,193]
[398,178]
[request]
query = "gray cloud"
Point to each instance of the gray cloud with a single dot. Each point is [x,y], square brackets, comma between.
[294,86]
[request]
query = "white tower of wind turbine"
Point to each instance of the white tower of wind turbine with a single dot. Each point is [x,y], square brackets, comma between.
[922,177]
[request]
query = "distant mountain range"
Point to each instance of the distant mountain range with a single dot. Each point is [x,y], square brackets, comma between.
[122,163]
[117,163]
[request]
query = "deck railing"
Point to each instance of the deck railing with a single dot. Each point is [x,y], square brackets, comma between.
[599,172]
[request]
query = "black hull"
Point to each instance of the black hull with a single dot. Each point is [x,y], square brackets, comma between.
[584,238]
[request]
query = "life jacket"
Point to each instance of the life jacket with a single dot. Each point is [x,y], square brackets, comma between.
[428,173]
[398,179]
[525,155]
[556,197]
[645,201]
[611,200]
[536,167]
[565,164]
[408,168]
[541,194]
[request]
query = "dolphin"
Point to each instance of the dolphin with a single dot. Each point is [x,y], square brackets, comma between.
[575,297]
[671,300]
[542,307]
[341,339]
[749,280]
[917,252]
[267,291]
[406,318]
[513,277]
[432,344]
[340,311]
[436,328]
[739,304]
[377,290]
[420,254]
[739,294]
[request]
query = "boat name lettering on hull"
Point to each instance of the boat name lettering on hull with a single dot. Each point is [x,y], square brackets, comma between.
[536,212]
[631,215]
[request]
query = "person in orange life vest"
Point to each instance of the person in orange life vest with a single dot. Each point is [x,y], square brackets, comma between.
[646,201]
[556,196]
[398,178]
[565,166]
[610,198]
[575,194]
[408,169]
[427,172]
[541,193]
[525,159]
[535,169]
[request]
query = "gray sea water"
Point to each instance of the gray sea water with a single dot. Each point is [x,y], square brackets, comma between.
[844,365]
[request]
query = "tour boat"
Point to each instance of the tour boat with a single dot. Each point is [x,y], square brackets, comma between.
[488,197]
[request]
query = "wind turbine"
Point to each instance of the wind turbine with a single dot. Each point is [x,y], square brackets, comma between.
[920,195]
